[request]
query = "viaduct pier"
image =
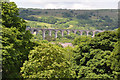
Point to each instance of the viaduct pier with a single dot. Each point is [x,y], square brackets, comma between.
[36,31]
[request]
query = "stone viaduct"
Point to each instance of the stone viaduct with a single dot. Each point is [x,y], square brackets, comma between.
[36,31]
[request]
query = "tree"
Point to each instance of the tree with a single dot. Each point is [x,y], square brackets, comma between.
[46,61]
[15,41]
[116,56]
[96,58]
[66,15]
[0,54]
[10,17]
[50,38]
[83,16]
[81,40]
[71,36]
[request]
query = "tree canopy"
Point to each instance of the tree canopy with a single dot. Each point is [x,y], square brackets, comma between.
[47,61]
[15,41]
[10,17]
[95,58]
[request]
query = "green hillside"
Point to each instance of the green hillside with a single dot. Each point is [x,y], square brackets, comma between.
[0,22]
[70,19]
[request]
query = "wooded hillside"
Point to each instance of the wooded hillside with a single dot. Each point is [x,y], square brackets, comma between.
[105,19]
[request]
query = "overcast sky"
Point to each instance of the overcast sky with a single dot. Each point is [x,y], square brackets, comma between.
[67,4]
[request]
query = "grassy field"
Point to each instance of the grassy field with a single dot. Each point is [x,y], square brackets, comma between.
[35,24]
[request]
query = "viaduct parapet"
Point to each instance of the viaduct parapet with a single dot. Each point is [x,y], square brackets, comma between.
[36,31]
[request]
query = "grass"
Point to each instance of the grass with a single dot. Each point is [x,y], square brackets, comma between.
[70,27]
[39,23]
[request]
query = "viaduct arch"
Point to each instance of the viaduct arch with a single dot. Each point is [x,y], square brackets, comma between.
[36,31]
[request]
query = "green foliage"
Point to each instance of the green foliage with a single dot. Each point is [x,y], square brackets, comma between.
[46,61]
[79,19]
[58,44]
[115,57]
[105,40]
[50,38]
[16,46]
[81,40]
[69,52]
[50,20]
[71,36]
[118,33]
[66,15]
[15,41]
[83,16]
[0,54]
[10,17]
[96,58]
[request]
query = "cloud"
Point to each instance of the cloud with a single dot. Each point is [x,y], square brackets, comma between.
[68,4]
[80,6]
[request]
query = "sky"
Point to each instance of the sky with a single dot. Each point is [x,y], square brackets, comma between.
[67,4]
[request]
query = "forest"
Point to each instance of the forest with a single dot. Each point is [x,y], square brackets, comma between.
[103,19]
[71,19]
[27,57]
